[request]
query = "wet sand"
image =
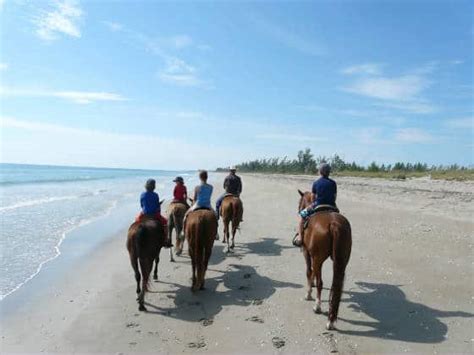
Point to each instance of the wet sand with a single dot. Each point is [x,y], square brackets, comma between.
[408,287]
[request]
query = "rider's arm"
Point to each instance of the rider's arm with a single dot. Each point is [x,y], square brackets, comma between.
[185,193]
[240,186]
[196,190]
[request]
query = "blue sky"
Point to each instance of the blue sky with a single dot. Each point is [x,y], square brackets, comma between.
[188,84]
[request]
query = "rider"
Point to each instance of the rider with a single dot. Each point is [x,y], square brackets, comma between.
[324,192]
[202,193]
[180,192]
[232,186]
[150,203]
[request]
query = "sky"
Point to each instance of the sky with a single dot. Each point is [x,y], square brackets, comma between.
[201,84]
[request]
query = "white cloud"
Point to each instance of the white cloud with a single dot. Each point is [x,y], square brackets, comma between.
[181,41]
[289,137]
[367,68]
[39,143]
[288,38]
[178,72]
[398,88]
[61,19]
[461,123]
[419,107]
[457,62]
[80,97]
[3,66]
[113,26]
[413,135]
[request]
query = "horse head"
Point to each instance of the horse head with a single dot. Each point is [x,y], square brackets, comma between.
[306,199]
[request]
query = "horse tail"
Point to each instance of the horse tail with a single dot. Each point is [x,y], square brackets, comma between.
[140,239]
[140,247]
[341,247]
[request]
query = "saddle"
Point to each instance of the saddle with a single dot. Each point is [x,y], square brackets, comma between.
[317,210]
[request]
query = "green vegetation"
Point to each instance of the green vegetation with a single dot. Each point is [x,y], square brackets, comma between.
[307,163]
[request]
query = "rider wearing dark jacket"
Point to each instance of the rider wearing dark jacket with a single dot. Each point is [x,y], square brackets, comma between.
[232,186]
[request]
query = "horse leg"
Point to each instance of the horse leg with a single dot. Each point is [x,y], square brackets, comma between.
[193,263]
[319,286]
[155,272]
[146,266]
[134,262]
[170,236]
[207,256]
[307,258]
[226,227]
[234,231]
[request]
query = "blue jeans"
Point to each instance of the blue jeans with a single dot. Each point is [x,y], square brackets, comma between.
[219,203]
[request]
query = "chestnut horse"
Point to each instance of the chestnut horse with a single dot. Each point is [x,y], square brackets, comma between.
[144,242]
[231,211]
[200,229]
[328,234]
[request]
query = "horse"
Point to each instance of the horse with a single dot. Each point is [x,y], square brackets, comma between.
[144,242]
[175,214]
[200,229]
[231,211]
[328,234]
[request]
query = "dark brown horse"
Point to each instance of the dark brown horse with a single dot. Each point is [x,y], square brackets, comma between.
[328,234]
[144,242]
[200,230]
[231,211]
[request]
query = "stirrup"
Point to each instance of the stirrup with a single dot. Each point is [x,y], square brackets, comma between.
[296,242]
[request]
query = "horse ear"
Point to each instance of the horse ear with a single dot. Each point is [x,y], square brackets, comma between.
[300,192]
[161,202]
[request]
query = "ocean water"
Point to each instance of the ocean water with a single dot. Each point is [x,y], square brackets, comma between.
[41,205]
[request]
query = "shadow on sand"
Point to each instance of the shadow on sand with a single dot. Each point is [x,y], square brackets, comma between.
[244,286]
[395,317]
[265,247]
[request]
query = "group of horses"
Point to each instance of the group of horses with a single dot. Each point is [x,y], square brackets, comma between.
[327,234]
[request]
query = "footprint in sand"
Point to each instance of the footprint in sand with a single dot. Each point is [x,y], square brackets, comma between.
[255,319]
[197,345]
[257,302]
[247,276]
[278,342]
[132,325]
[206,322]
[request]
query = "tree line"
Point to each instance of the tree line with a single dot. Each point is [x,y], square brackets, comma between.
[307,163]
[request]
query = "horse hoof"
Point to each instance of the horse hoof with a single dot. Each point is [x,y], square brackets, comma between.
[172,261]
[155,277]
[309,298]
[142,308]
[178,253]
[330,326]
[317,310]
[232,246]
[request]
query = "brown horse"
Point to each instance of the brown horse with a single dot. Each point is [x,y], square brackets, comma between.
[175,214]
[144,242]
[328,234]
[231,211]
[200,229]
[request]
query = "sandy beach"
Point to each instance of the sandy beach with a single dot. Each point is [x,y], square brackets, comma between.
[409,284]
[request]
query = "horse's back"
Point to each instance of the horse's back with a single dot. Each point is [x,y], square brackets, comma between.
[150,230]
[232,207]
[201,227]
[321,229]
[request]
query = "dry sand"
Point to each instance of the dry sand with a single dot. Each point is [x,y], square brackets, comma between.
[409,284]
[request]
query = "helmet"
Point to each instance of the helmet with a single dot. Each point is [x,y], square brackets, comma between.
[178,179]
[150,184]
[325,169]
[232,168]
